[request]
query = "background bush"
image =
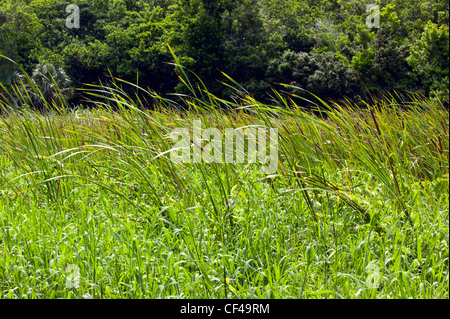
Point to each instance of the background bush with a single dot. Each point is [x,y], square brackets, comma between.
[321,46]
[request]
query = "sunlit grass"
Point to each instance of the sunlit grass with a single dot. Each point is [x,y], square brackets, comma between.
[357,189]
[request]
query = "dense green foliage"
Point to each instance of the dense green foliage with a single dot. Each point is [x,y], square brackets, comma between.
[322,46]
[358,207]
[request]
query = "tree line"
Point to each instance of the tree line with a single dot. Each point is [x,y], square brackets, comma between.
[322,46]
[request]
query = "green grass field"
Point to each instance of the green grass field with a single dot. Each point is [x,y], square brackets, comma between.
[358,208]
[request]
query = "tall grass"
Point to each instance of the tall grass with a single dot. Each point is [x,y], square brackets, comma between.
[356,189]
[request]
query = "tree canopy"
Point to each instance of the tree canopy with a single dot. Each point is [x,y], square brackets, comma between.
[322,46]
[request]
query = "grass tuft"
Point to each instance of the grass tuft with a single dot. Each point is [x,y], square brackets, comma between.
[358,194]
